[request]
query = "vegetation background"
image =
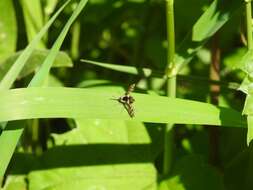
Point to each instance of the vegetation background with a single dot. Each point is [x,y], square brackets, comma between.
[81,137]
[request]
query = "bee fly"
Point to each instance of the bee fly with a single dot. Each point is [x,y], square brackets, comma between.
[127,100]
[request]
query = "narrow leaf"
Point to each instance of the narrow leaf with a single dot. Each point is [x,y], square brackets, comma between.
[34,61]
[250,129]
[151,73]
[33,17]
[122,68]
[9,138]
[45,68]
[217,14]
[91,104]
[37,80]
[13,73]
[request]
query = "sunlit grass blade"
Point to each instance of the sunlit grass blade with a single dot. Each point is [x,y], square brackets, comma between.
[151,73]
[33,63]
[55,102]
[33,17]
[11,136]
[123,68]
[45,68]
[8,142]
[14,71]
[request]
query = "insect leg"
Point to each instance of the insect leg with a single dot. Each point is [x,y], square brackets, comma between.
[130,109]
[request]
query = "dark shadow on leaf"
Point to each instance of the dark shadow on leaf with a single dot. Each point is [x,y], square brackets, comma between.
[82,155]
[227,113]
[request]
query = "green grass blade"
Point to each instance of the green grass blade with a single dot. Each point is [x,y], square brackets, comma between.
[57,102]
[33,17]
[14,71]
[45,68]
[9,139]
[37,80]
[122,68]
[8,145]
[151,73]
[33,63]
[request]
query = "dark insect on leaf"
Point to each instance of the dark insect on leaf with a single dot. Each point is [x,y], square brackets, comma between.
[127,100]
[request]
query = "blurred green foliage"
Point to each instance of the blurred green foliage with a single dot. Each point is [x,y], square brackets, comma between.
[112,154]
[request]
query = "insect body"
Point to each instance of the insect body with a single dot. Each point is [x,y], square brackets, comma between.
[127,100]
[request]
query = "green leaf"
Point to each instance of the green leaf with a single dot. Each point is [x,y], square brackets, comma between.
[94,83]
[122,68]
[248,106]
[9,138]
[244,87]
[250,129]
[33,17]
[217,14]
[236,59]
[50,6]
[47,64]
[159,81]
[8,29]
[214,18]
[17,175]
[74,103]
[120,160]
[246,65]
[104,131]
[52,81]
[238,172]
[35,60]
[15,182]
[110,154]
[193,173]
[16,68]
[133,176]
[246,62]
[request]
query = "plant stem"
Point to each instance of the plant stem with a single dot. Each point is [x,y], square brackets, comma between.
[249,24]
[170,32]
[214,131]
[171,85]
[76,29]
[168,135]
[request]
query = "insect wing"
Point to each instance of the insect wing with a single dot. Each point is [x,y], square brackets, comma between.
[130,88]
[130,110]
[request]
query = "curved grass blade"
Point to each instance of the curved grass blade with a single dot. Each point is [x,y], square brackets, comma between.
[151,73]
[9,139]
[33,17]
[14,71]
[45,68]
[11,136]
[55,102]
[123,68]
[33,63]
